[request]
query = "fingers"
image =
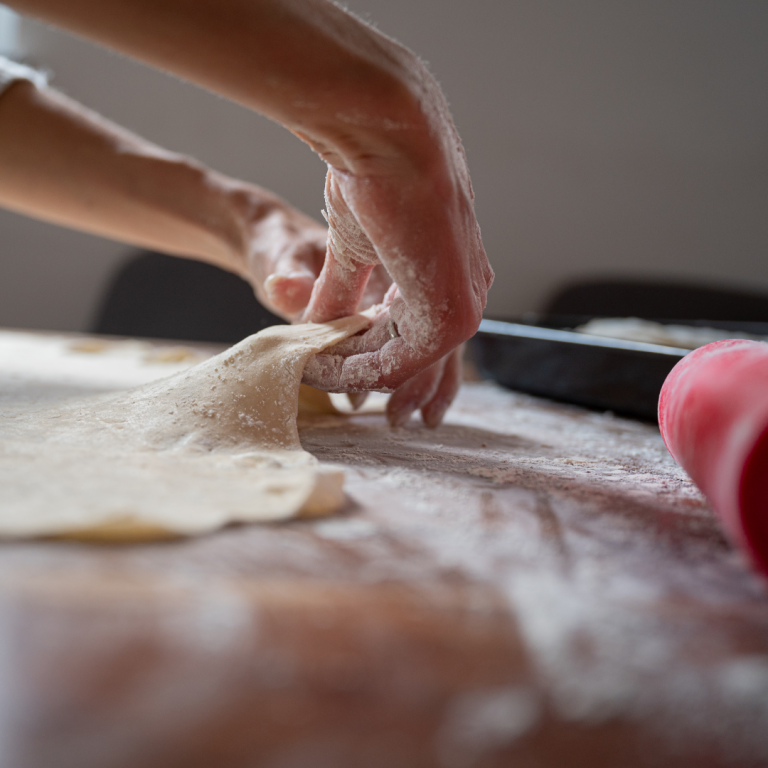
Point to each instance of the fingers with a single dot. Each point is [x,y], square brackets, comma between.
[414,394]
[380,332]
[286,259]
[337,291]
[383,370]
[289,293]
[432,391]
[349,261]
[446,392]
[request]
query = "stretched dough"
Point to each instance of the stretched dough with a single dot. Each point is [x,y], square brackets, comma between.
[211,445]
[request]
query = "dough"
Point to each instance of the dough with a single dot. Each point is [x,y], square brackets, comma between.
[211,445]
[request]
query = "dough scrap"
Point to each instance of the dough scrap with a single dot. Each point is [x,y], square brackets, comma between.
[211,445]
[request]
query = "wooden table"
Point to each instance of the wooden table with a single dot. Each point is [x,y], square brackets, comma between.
[530,584]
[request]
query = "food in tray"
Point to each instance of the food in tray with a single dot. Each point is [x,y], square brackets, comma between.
[649,332]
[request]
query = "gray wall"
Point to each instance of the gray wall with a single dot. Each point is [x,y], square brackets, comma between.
[604,137]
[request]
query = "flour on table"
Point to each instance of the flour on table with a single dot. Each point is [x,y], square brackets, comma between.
[207,446]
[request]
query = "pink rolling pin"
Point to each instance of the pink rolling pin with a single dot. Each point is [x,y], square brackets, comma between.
[713,415]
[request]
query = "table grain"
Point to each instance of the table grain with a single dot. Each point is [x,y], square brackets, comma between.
[530,584]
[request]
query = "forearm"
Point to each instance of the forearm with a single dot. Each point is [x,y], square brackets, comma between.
[62,163]
[355,95]
[371,110]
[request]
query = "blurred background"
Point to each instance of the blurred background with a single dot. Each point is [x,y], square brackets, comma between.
[605,139]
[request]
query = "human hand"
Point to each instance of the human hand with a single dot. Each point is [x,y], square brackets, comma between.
[280,250]
[432,390]
[413,212]
[282,256]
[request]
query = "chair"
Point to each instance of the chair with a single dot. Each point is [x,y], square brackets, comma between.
[659,300]
[158,296]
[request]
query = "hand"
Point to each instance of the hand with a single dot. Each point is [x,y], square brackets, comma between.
[283,254]
[412,211]
[432,391]
[414,215]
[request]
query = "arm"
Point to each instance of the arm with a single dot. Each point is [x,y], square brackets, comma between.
[65,164]
[305,63]
[398,188]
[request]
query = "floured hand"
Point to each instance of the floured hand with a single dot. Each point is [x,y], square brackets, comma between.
[431,391]
[414,215]
[280,250]
[411,209]
[286,258]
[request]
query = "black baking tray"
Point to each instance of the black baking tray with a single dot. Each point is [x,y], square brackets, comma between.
[543,356]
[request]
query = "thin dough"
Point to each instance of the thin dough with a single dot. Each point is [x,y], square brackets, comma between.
[212,445]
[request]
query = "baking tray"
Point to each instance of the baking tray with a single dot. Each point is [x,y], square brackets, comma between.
[540,356]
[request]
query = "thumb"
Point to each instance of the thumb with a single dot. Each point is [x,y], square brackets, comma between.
[289,292]
[338,290]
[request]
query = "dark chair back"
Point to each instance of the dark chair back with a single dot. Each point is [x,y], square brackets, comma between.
[657,300]
[158,296]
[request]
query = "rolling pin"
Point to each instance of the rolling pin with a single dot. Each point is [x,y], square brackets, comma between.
[713,416]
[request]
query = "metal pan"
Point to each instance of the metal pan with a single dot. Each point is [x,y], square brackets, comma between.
[607,374]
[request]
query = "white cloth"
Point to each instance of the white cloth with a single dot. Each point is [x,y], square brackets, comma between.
[10,72]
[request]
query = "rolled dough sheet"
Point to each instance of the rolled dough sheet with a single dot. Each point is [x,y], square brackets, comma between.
[210,445]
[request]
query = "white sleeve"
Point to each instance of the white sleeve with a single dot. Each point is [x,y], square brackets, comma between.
[10,72]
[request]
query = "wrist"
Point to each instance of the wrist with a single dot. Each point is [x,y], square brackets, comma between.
[384,122]
[231,214]
[252,214]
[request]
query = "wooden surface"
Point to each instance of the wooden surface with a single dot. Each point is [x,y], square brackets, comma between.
[530,585]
